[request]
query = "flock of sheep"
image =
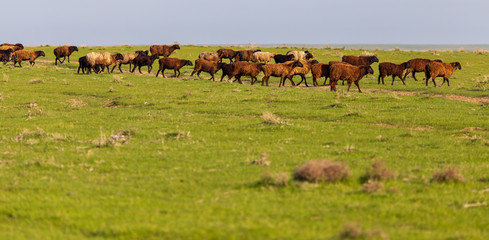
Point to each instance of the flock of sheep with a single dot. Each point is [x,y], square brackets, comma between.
[246,63]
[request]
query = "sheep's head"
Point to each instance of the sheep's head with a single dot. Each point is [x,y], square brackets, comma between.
[19,45]
[437,60]
[156,56]
[257,50]
[456,65]
[309,55]
[406,65]
[373,59]
[40,53]
[73,48]
[119,56]
[142,53]
[312,62]
[370,70]
[176,46]
[297,64]
[188,63]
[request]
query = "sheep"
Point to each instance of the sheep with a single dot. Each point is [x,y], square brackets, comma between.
[280,58]
[348,73]
[418,65]
[302,71]
[140,61]
[172,63]
[103,60]
[360,60]
[396,70]
[436,69]
[128,59]
[163,50]
[210,67]
[84,65]
[227,70]
[336,62]
[5,55]
[31,55]
[320,70]
[226,53]
[300,55]
[281,70]
[245,69]
[263,56]
[245,55]
[14,47]
[210,56]
[63,51]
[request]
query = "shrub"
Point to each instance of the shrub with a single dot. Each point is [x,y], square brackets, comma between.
[322,171]
[449,174]
[377,172]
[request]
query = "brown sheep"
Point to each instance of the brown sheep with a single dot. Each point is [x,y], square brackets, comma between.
[396,70]
[5,55]
[349,73]
[319,70]
[227,69]
[245,55]
[437,69]
[263,57]
[246,69]
[226,53]
[31,55]
[360,60]
[172,63]
[140,61]
[281,70]
[417,65]
[128,59]
[302,71]
[210,56]
[14,47]
[210,67]
[331,63]
[63,51]
[163,50]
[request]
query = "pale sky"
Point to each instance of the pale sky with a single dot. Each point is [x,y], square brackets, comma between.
[146,22]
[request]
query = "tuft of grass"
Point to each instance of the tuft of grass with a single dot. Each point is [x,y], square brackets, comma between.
[322,171]
[35,80]
[281,179]
[377,172]
[271,118]
[262,160]
[355,231]
[372,186]
[449,174]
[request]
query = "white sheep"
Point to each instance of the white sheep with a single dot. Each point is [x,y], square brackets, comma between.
[263,56]
[301,55]
[103,59]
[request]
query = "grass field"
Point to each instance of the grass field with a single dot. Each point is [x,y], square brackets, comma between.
[131,156]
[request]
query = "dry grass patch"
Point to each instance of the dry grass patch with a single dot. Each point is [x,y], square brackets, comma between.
[262,160]
[377,172]
[372,186]
[76,103]
[322,171]
[449,174]
[117,139]
[271,118]
[275,179]
[34,81]
[355,231]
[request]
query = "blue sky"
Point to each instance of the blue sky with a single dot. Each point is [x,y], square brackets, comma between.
[109,22]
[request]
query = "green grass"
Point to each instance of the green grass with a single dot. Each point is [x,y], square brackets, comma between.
[185,171]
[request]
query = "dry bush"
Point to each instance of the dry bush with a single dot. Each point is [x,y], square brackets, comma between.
[481,51]
[322,171]
[32,110]
[372,186]
[377,172]
[449,174]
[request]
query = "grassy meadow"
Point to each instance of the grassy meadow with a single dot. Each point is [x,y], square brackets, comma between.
[131,156]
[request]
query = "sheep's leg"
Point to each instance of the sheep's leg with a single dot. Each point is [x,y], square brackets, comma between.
[61,62]
[349,85]
[238,78]
[198,73]
[448,83]
[314,81]
[292,81]
[427,79]
[113,69]
[414,76]
[175,72]
[358,86]
[139,68]
[163,72]
[56,61]
[68,59]
[401,80]
[434,83]
[223,74]
[332,85]
[158,72]
[305,80]
[212,77]
[325,79]
[393,77]
[178,72]
[149,68]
